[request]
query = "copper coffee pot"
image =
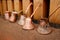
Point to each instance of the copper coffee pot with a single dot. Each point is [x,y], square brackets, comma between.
[28,24]
[7,15]
[21,18]
[13,16]
[28,21]
[44,27]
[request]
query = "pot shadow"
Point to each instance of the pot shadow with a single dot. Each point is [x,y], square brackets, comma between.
[57,26]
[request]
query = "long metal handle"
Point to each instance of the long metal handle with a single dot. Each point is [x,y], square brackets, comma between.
[28,7]
[35,10]
[54,11]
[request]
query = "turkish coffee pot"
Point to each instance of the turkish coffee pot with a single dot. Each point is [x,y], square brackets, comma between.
[44,27]
[13,16]
[7,15]
[28,21]
[21,18]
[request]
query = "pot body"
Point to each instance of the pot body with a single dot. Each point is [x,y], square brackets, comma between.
[43,28]
[21,20]
[7,15]
[13,17]
[28,24]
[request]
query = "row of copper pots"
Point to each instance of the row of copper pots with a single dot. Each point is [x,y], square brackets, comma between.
[26,22]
